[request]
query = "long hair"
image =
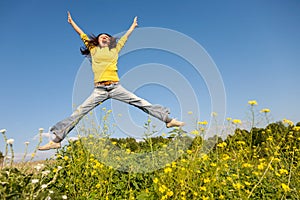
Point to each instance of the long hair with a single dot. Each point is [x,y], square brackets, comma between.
[94,42]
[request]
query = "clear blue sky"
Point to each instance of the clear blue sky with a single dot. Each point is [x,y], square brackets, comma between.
[254,44]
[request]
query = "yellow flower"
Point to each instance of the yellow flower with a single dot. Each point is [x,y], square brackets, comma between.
[170,193]
[206,180]
[155,180]
[162,188]
[195,132]
[283,171]
[203,122]
[205,157]
[236,121]
[66,158]
[261,166]
[265,110]
[205,198]
[252,102]
[296,128]
[173,164]
[202,188]
[241,142]
[189,151]
[285,187]
[289,122]
[225,157]
[247,183]
[168,169]
[247,165]
[238,186]
[228,118]
[222,145]
[213,164]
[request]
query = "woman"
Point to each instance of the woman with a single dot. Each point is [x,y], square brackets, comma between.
[103,51]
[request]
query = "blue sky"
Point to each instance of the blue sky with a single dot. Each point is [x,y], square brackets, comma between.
[254,44]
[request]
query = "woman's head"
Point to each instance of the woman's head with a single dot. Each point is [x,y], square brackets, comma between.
[102,40]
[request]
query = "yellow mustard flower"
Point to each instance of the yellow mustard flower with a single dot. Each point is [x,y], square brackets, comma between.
[202,188]
[162,188]
[252,102]
[289,122]
[155,180]
[236,121]
[285,187]
[167,170]
[203,122]
[265,110]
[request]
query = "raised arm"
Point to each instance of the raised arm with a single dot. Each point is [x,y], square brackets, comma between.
[132,27]
[74,25]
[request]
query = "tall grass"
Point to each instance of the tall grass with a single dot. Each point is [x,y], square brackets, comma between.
[258,163]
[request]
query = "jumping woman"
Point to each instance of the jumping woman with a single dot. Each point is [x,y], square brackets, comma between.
[104,51]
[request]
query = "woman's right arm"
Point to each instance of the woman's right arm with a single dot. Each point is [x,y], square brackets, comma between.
[74,25]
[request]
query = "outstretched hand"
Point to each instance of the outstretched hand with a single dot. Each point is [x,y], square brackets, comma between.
[135,23]
[69,17]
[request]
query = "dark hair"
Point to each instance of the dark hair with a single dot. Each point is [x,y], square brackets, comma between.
[94,42]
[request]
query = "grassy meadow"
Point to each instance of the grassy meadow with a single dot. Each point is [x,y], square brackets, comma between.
[255,163]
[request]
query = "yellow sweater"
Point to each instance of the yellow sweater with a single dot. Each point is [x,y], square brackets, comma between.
[104,61]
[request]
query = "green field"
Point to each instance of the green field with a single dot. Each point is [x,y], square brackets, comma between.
[258,163]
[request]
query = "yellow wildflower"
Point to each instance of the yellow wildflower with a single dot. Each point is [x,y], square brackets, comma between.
[296,128]
[222,145]
[203,122]
[252,102]
[189,151]
[167,170]
[289,122]
[206,180]
[241,142]
[226,157]
[170,193]
[202,188]
[285,187]
[213,164]
[283,171]
[195,132]
[247,183]
[236,121]
[162,188]
[265,110]
[155,180]
[237,186]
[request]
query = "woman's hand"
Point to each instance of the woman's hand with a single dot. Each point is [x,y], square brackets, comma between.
[135,23]
[70,20]
[74,25]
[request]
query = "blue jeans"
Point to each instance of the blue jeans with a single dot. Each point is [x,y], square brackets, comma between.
[99,95]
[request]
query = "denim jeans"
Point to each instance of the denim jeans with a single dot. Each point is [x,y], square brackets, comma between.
[99,95]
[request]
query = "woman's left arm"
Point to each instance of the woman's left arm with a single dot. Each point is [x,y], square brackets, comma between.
[132,27]
[123,39]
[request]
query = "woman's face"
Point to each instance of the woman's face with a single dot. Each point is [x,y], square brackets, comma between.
[104,40]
